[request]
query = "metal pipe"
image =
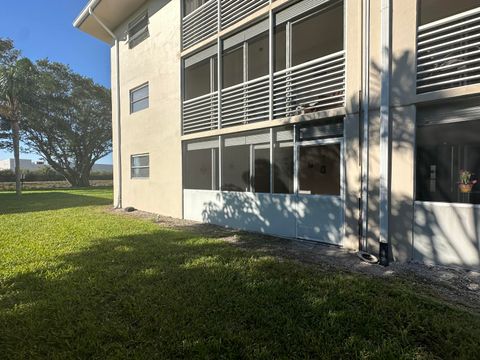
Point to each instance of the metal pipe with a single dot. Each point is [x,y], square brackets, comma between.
[118,202]
[384,211]
[366,124]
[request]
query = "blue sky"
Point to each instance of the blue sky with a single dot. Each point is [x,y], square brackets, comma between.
[43,29]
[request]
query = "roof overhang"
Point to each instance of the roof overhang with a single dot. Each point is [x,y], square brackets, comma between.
[112,12]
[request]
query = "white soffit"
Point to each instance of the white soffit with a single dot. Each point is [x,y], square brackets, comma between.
[112,12]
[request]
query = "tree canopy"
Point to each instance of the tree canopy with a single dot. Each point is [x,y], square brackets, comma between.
[60,115]
[68,121]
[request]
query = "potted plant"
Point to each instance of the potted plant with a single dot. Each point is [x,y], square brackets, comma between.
[466,182]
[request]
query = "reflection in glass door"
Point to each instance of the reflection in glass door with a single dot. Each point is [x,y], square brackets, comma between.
[319,179]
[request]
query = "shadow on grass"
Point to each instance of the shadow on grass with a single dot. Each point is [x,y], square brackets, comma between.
[52,200]
[169,294]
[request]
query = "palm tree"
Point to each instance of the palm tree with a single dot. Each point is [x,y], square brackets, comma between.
[15,86]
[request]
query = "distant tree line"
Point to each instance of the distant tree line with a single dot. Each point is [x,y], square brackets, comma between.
[49,110]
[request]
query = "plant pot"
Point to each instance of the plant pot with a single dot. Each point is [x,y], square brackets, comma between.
[465,188]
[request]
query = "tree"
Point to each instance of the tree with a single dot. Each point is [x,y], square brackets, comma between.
[68,121]
[16,76]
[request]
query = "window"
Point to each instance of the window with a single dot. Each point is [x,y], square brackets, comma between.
[233,67]
[139,98]
[138,30]
[201,78]
[140,166]
[258,57]
[319,169]
[191,5]
[283,156]
[261,168]
[236,166]
[432,10]
[280,48]
[201,165]
[246,162]
[443,150]
[317,35]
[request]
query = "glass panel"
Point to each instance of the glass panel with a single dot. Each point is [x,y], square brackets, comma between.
[261,180]
[197,80]
[442,152]
[215,74]
[201,169]
[140,172]
[319,170]
[283,162]
[191,5]
[280,48]
[258,57]
[317,36]
[432,10]
[233,67]
[140,105]
[143,160]
[236,168]
[140,93]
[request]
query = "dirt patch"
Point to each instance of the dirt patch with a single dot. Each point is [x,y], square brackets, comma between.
[454,285]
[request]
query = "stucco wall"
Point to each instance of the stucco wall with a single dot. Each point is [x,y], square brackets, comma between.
[155,130]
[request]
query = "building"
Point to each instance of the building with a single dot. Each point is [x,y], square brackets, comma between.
[345,122]
[25,164]
[30,165]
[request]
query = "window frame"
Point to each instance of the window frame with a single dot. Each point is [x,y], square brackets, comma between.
[147,97]
[141,34]
[132,167]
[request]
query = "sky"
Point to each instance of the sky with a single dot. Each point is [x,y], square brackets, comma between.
[43,29]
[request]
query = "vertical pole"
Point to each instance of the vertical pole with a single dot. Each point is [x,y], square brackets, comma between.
[271,52]
[366,125]
[385,132]
[219,65]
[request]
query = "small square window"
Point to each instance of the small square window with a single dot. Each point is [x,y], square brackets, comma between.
[140,166]
[139,98]
[138,30]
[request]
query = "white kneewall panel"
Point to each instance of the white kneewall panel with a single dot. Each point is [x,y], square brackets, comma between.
[447,234]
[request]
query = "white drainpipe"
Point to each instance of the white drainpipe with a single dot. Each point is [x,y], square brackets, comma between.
[366,126]
[118,201]
[385,132]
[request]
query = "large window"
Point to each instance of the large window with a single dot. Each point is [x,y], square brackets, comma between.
[140,166]
[283,156]
[201,165]
[139,98]
[201,78]
[432,10]
[258,57]
[443,150]
[319,169]
[317,35]
[191,5]
[246,162]
[138,30]
[255,52]
[233,67]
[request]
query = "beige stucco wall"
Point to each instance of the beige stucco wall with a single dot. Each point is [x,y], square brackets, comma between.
[155,130]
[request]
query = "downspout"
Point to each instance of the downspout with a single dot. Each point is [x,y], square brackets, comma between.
[118,202]
[366,122]
[384,211]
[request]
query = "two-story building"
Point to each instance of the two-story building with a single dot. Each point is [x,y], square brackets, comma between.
[340,121]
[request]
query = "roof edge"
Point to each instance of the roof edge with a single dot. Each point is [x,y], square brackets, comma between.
[84,14]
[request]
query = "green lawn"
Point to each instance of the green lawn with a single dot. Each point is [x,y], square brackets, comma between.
[79,282]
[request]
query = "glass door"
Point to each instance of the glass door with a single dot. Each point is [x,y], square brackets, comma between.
[319,175]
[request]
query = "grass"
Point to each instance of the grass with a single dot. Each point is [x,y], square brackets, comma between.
[79,282]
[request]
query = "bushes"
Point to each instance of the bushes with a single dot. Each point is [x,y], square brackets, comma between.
[46,173]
